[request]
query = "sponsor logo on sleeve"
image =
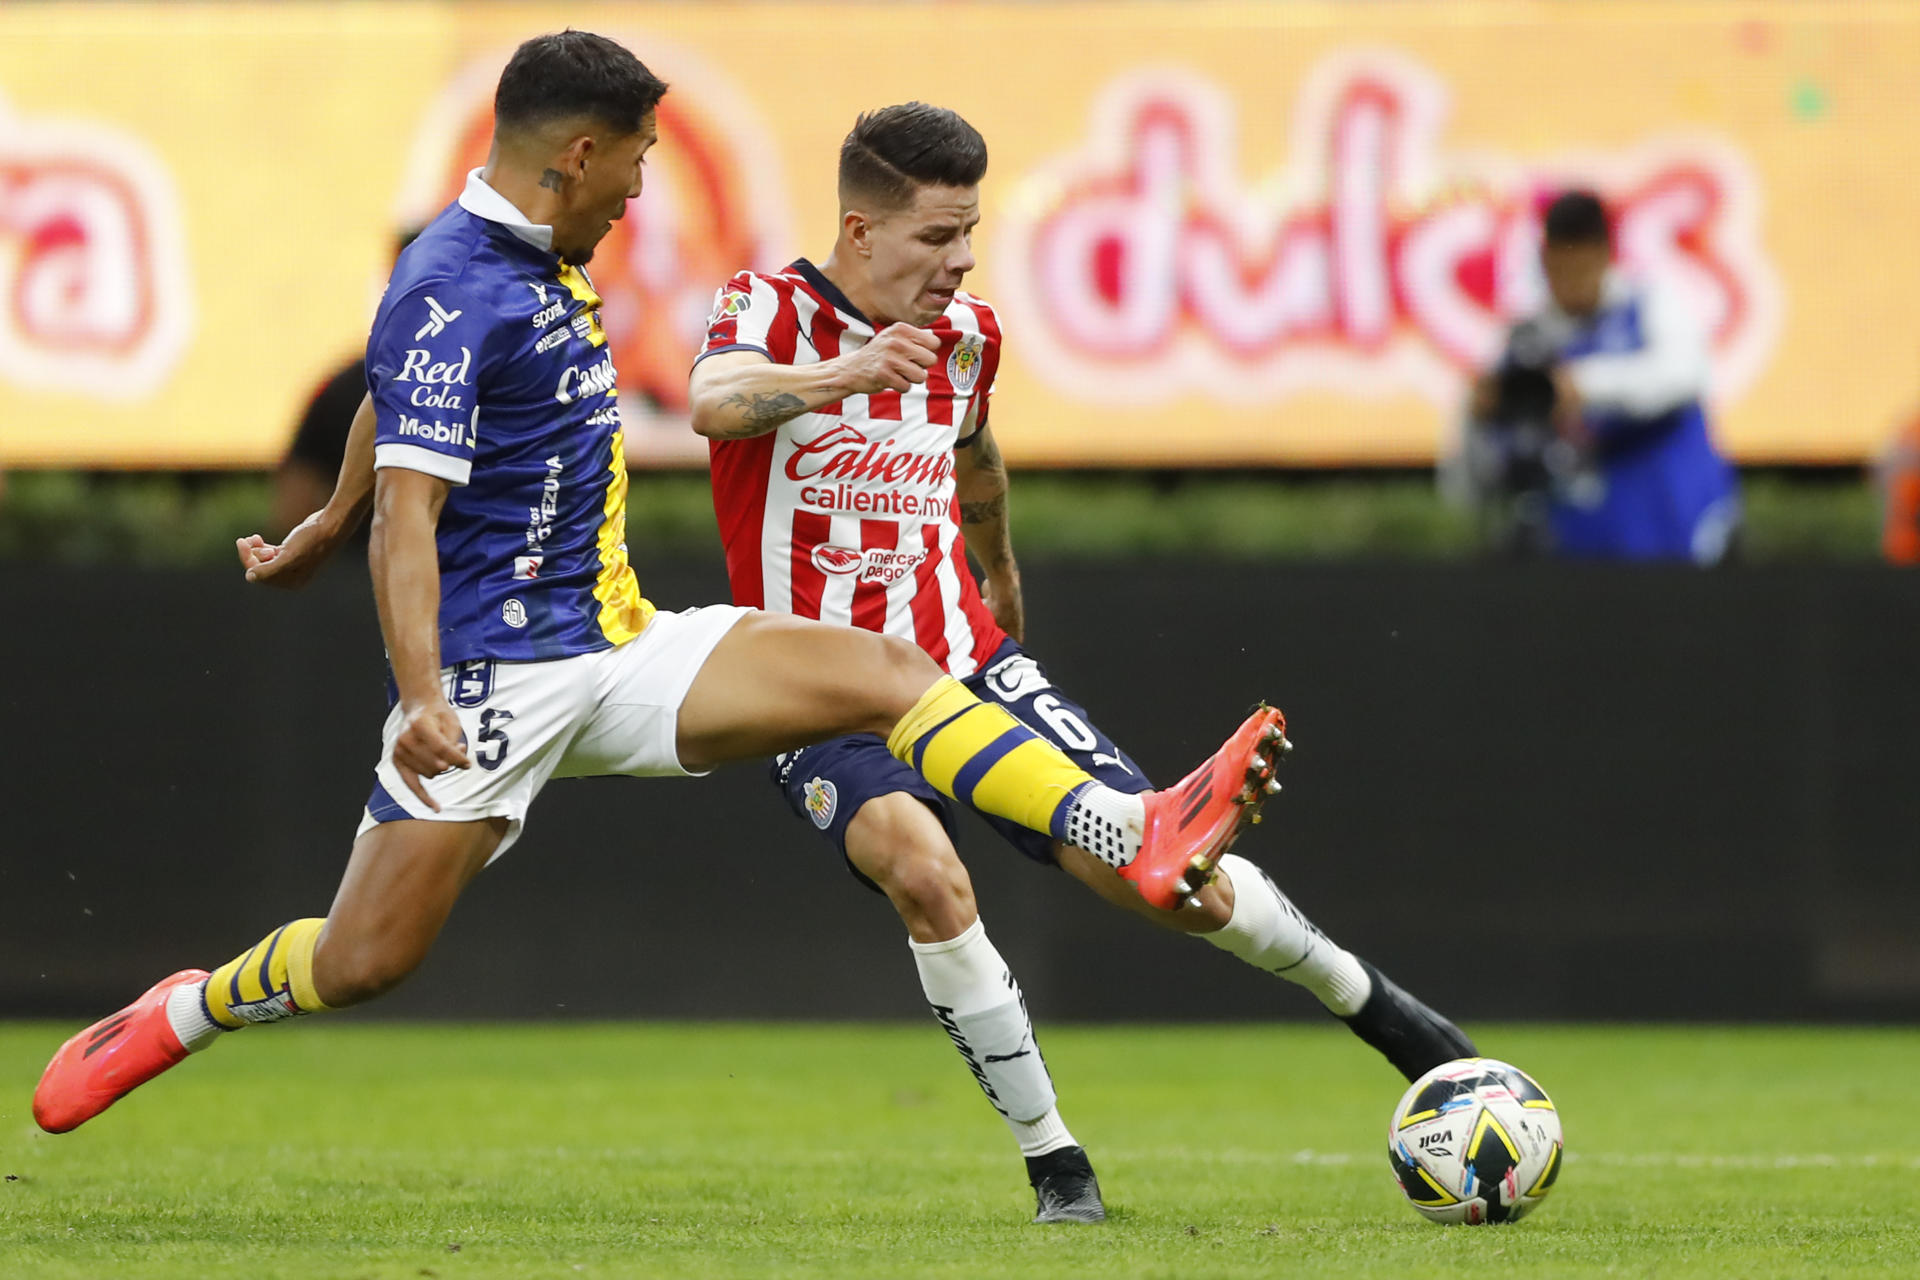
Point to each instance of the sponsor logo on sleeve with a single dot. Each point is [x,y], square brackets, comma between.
[437,432]
[435,379]
[730,305]
[438,318]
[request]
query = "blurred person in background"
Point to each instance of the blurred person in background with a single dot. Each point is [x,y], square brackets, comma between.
[1900,485]
[1588,437]
[304,480]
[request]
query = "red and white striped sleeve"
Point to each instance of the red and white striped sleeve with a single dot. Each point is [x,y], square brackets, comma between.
[989,322]
[753,312]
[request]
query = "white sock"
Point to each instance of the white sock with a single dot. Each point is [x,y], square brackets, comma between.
[187,1012]
[979,1005]
[1108,824]
[1269,932]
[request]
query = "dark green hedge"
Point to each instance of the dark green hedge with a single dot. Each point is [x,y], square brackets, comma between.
[169,519]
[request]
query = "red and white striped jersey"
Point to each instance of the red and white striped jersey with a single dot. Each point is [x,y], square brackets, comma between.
[847,514]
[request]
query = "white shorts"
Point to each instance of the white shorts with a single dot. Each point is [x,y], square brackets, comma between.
[614,711]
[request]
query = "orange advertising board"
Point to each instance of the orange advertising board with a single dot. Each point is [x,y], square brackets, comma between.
[1217,234]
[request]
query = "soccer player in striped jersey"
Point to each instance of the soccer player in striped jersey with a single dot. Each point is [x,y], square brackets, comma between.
[853,469]
[520,647]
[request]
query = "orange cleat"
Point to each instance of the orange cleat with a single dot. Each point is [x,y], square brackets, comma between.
[110,1059]
[1191,826]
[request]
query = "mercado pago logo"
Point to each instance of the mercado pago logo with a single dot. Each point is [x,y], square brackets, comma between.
[1371,259]
[95,294]
[714,202]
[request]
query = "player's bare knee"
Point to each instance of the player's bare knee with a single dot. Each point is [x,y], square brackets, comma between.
[347,973]
[936,887]
[900,674]
[899,844]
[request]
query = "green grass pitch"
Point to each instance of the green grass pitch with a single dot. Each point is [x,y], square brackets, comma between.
[342,1150]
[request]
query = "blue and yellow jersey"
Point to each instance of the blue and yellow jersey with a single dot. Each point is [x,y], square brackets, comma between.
[489,369]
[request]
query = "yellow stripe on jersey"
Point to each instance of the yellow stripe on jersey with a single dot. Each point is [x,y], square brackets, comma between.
[577,284]
[624,612]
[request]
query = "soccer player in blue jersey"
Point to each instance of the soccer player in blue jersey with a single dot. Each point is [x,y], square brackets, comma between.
[520,645]
[1633,474]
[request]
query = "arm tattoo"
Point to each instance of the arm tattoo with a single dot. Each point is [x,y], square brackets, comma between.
[988,457]
[987,512]
[988,472]
[764,409]
[551,179]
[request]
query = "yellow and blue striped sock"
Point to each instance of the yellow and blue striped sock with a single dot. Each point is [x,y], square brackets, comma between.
[270,981]
[981,756]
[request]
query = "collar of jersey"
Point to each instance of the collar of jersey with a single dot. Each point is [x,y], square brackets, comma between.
[483,201]
[828,290]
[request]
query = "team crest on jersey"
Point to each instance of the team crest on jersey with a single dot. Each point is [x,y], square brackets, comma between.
[963,366]
[821,799]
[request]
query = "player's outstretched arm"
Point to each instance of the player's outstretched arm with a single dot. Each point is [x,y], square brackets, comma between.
[311,543]
[406,585]
[736,395]
[980,487]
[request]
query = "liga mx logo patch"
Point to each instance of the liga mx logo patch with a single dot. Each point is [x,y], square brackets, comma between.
[963,366]
[728,305]
[821,800]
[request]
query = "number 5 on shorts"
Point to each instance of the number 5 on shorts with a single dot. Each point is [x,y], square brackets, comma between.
[493,738]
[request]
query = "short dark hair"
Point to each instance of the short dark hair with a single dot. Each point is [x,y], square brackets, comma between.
[1577,217]
[570,74]
[895,149]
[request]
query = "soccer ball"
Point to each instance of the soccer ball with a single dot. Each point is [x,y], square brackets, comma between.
[1475,1141]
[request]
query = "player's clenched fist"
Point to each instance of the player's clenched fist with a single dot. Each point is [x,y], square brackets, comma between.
[897,358]
[430,743]
[292,562]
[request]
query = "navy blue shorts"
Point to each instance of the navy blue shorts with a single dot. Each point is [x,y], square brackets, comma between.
[828,783]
